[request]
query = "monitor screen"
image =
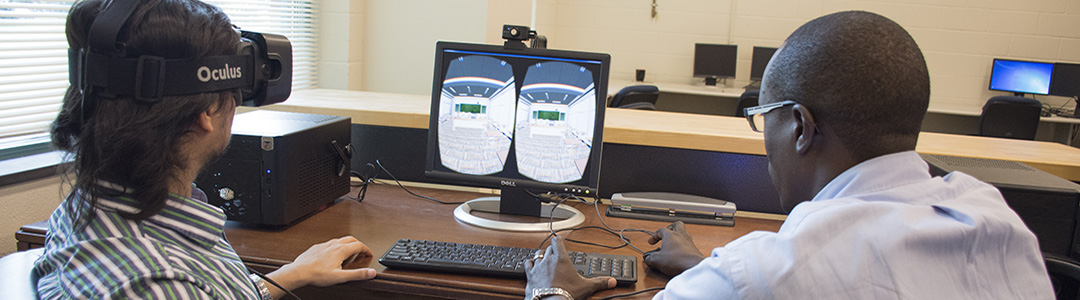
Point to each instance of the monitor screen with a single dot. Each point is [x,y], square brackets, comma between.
[761,58]
[713,60]
[1021,76]
[1065,80]
[527,118]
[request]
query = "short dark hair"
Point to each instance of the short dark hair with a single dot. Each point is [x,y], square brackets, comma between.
[861,75]
[132,143]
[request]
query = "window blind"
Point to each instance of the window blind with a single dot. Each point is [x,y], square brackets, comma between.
[33,53]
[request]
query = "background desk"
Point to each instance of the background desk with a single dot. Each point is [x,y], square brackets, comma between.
[388,213]
[691,98]
[666,130]
[940,118]
[964,119]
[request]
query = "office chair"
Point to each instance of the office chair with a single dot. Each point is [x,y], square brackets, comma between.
[747,99]
[1064,275]
[636,97]
[1010,117]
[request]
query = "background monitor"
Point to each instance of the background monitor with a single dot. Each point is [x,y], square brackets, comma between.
[714,61]
[1021,77]
[525,121]
[1066,80]
[760,59]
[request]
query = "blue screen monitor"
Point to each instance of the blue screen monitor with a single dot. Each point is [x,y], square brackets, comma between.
[1021,77]
[525,121]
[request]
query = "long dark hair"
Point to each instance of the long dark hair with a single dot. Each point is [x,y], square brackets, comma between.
[130,143]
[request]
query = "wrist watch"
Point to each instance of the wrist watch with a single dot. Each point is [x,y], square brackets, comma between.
[551,291]
[264,293]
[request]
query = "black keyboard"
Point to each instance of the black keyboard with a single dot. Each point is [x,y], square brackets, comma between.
[498,261]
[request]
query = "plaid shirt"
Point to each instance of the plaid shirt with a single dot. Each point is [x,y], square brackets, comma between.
[178,253]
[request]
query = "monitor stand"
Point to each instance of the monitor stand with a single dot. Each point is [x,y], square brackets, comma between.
[754,85]
[710,81]
[517,201]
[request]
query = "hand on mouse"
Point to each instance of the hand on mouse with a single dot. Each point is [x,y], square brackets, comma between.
[322,265]
[357,260]
[678,252]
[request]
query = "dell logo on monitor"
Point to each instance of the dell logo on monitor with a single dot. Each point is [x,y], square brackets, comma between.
[508,183]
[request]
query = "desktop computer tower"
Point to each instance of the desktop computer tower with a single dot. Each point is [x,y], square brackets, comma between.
[279,167]
[1048,205]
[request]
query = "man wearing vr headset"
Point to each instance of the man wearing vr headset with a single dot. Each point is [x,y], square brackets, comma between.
[134,226]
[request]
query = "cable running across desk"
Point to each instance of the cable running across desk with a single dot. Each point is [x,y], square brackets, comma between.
[561,198]
[371,177]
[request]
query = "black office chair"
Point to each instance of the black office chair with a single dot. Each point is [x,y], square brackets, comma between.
[747,99]
[636,97]
[1064,275]
[1010,117]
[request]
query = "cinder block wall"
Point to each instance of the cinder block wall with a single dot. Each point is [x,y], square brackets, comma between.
[959,38]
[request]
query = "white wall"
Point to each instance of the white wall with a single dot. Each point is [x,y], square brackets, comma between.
[389,45]
[399,39]
[341,44]
[958,37]
[26,203]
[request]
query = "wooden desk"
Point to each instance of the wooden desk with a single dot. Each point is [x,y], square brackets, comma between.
[388,213]
[678,130]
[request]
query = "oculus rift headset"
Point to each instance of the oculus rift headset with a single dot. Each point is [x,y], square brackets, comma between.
[261,69]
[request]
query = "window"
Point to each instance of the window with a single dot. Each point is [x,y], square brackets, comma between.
[33,58]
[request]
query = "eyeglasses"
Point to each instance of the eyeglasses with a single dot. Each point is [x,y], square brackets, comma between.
[756,115]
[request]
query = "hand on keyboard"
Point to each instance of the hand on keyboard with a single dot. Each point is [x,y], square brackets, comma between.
[556,269]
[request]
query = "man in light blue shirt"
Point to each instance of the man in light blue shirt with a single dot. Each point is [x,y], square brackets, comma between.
[842,103]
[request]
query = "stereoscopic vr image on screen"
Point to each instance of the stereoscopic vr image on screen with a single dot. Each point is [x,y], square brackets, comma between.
[516,116]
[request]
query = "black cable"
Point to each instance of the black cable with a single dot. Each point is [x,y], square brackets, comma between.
[271,281]
[411,192]
[626,240]
[656,288]
[364,182]
[619,233]
[548,238]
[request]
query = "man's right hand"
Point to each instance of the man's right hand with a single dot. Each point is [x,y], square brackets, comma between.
[677,254]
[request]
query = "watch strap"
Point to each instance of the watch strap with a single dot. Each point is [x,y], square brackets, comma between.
[551,291]
[260,285]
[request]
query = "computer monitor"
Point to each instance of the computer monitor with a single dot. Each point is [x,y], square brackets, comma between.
[1066,80]
[525,121]
[1021,77]
[760,59]
[714,61]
